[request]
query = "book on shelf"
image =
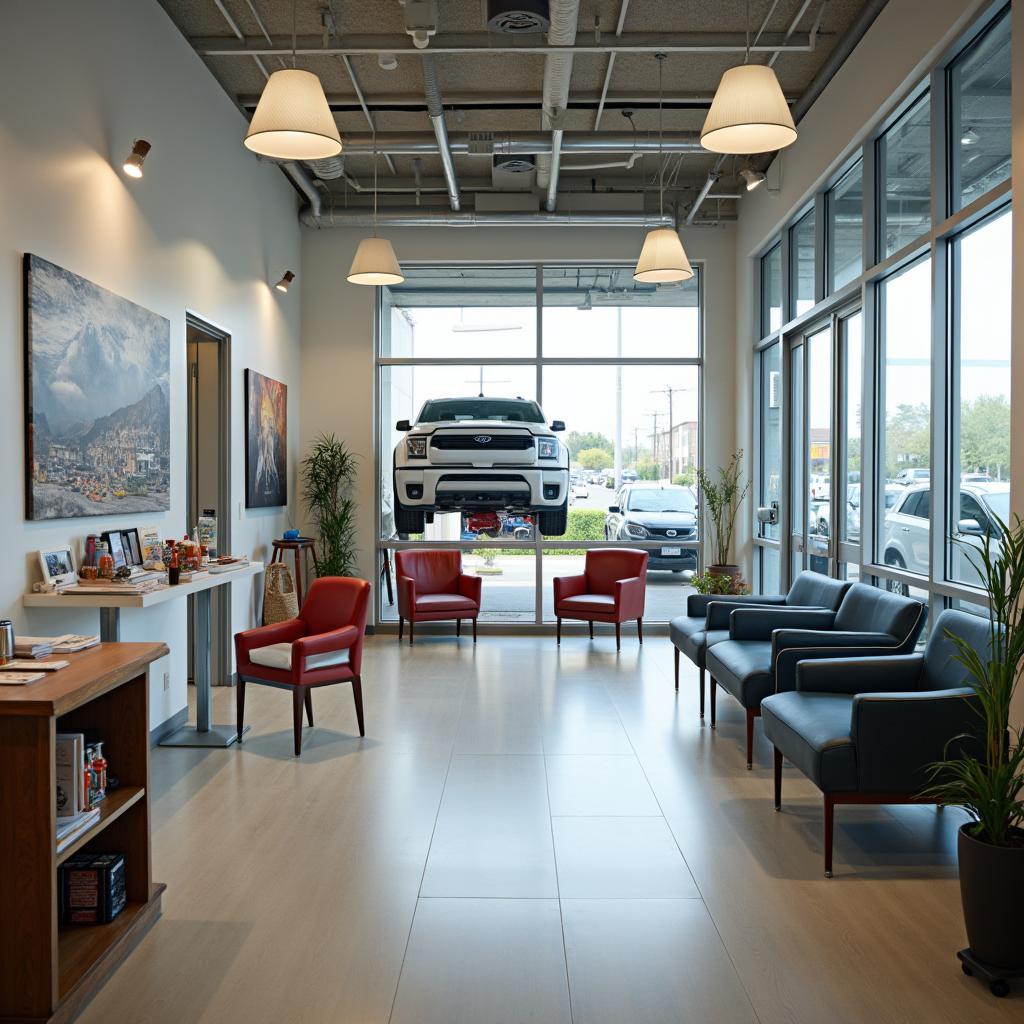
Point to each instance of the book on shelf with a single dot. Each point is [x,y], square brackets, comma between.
[70,829]
[70,749]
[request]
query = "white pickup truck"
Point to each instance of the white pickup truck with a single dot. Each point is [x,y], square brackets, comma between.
[481,454]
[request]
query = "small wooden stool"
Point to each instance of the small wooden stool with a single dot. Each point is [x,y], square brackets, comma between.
[302,547]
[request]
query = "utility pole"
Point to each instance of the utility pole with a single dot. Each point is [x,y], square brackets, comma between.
[636,446]
[654,439]
[670,391]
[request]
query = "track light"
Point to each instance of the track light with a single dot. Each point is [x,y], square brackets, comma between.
[133,162]
[752,178]
[282,285]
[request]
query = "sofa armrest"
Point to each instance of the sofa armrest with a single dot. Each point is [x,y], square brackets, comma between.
[286,632]
[720,608]
[857,675]
[406,596]
[898,736]
[791,647]
[760,623]
[569,586]
[471,587]
[697,604]
[629,597]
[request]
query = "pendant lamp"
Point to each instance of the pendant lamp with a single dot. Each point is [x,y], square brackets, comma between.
[749,113]
[662,258]
[293,120]
[375,262]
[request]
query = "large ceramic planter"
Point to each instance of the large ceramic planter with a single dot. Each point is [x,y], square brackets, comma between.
[992,891]
[731,572]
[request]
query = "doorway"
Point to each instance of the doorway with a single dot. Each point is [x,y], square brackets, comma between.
[209,475]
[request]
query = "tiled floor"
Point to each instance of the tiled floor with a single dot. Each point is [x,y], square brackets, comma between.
[531,834]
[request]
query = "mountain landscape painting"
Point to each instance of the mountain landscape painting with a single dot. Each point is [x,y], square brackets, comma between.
[97,398]
[266,441]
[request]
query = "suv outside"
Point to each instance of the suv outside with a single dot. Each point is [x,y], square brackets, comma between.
[659,513]
[921,475]
[481,455]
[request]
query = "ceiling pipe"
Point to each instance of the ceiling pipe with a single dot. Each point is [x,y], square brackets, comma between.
[623,10]
[709,184]
[520,143]
[414,217]
[563,15]
[304,183]
[435,110]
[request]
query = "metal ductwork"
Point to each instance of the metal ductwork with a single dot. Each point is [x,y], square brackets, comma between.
[304,183]
[518,17]
[435,108]
[520,143]
[418,218]
[328,168]
[557,75]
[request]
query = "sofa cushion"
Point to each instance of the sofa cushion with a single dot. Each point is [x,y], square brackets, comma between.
[813,731]
[445,603]
[742,668]
[871,610]
[279,656]
[815,590]
[603,603]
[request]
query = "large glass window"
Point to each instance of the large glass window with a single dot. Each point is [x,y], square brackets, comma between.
[905,422]
[803,264]
[981,453]
[979,85]
[771,290]
[617,361]
[845,205]
[905,179]
[771,434]
[852,341]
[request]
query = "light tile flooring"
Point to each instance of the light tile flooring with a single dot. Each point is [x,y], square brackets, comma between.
[531,834]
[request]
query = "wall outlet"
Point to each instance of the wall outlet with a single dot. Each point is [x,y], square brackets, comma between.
[167,681]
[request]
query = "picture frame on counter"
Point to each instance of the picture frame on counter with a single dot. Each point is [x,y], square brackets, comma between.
[58,566]
[124,547]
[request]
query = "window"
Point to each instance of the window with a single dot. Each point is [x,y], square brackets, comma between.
[845,205]
[851,336]
[905,421]
[979,86]
[981,259]
[771,434]
[905,179]
[771,290]
[802,247]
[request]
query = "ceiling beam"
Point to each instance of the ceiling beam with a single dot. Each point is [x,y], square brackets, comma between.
[488,43]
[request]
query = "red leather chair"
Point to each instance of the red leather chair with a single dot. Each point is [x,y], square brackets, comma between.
[324,645]
[612,588]
[432,587]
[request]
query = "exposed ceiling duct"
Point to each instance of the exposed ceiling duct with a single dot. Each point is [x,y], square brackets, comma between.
[520,143]
[435,109]
[518,17]
[557,76]
[467,218]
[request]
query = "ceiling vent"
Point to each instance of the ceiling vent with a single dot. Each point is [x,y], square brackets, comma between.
[518,17]
[514,164]
[513,173]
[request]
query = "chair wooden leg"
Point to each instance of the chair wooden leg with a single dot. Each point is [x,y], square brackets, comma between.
[412,630]
[401,629]
[829,819]
[357,697]
[751,713]
[640,630]
[240,707]
[309,705]
[591,625]
[778,779]
[474,630]
[297,718]
[714,694]
[618,636]
[676,649]
[458,627]
[702,671]
[558,632]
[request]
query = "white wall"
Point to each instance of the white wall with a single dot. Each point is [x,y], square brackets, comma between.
[205,229]
[338,323]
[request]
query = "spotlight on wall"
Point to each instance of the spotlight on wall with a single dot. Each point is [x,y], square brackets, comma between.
[751,178]
[282,285]
[133,162]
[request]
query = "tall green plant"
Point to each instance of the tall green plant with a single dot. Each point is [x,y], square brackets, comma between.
[328,472]
[989,787]
[721,500]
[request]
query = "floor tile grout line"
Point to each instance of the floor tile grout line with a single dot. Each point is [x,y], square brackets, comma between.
[426,859]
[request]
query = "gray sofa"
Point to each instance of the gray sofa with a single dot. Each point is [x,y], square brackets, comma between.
[865,730]
[764,644]
[706,621]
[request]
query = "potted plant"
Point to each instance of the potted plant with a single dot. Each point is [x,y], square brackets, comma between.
[328,472]
[708,582]
[720,501]
[989,781]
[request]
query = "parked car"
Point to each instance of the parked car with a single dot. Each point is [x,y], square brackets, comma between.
[481,455]
[580,490]
[652,512]
[907,527]
[976,478]
[492,525]
[629,477]
[920,475]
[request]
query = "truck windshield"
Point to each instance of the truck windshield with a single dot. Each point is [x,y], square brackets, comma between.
[667,499]
[505,410]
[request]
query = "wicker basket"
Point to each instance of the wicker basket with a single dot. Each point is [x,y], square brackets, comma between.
[280,601]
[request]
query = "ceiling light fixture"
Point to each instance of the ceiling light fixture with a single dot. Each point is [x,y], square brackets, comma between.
[375,262]
[286,280]
[751,178]
[133,162]
[749,113]
[968,137]
[662,258]
[293,120]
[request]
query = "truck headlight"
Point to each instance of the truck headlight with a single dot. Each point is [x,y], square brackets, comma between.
[416,447]
[547,447]
[636,530]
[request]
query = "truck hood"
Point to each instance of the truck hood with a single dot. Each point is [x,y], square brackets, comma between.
[483,427]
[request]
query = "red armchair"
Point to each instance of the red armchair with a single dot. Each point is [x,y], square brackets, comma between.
[612,588]
[324,645]
[432,587]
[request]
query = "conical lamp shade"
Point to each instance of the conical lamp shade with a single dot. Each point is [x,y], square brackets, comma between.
[375,263]
[292,119]
[662,258]
[749,114]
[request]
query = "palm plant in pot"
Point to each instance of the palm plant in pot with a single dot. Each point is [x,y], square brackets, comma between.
[720,503]
[328,472]
[986,778]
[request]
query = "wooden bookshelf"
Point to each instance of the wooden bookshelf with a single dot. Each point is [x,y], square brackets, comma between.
[48,972]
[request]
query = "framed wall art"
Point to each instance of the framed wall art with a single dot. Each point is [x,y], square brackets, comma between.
[266,441]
